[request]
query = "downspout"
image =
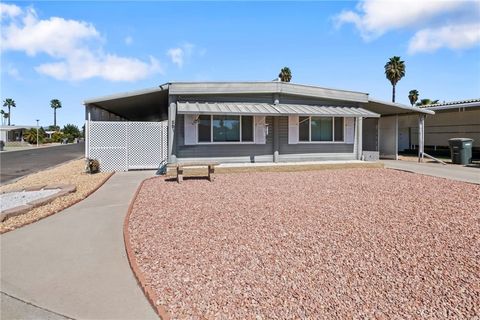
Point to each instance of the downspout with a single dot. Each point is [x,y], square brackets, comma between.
[172,113]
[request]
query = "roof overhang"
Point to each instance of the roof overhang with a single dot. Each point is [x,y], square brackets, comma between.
[141,105]
[265,109]
[388,108]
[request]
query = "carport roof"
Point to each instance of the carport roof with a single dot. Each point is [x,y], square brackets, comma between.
[266,109]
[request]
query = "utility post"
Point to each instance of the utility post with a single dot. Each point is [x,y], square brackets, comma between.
[37,131]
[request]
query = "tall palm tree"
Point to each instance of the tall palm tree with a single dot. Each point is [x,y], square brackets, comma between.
[394,71]
[4,116]
[285,74]
[55,104]
[413,96]
[9,103]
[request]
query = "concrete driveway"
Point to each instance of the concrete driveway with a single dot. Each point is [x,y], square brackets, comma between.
[16,164]
[73,264]
[449,171]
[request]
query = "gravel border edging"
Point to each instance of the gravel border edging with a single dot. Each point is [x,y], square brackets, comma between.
[68,206]
[147,290]
[64,189]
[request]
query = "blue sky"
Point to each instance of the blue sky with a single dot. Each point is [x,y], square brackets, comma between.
[77,50]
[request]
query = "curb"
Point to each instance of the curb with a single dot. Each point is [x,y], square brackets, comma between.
[68,206]
[147,291]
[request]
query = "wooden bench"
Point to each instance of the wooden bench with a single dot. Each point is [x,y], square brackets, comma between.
[180,166]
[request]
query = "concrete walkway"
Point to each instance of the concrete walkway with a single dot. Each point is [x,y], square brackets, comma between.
[449,171]
[73,264]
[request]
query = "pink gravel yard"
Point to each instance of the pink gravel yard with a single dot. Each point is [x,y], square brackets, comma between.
[352,243]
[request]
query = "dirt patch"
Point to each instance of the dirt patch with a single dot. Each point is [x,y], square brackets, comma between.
[71,173]
[373,243]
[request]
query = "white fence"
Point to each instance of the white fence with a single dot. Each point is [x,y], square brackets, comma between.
[122,146]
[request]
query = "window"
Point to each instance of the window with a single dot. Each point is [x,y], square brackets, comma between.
[320,129]
[339,129]
[223,128]
[204,128]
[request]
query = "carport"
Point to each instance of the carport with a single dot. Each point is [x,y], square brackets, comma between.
[386,127]
[128,131]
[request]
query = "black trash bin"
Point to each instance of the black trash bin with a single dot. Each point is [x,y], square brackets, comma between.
[461,150]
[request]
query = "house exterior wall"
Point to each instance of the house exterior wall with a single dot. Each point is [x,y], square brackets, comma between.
[440,127]
[236,152]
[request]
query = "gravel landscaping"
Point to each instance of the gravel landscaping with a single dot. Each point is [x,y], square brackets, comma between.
[71,173]
[352,243]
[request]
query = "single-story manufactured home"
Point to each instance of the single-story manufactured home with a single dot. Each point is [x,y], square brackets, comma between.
[455,119]
[13,132]
[240,122]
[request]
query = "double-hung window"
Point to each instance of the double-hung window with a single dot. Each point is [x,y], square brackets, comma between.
[225,128]
[321,129]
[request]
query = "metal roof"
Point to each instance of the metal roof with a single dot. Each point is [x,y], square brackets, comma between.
[266,109]
[471,103]
[390,108]
[265,87]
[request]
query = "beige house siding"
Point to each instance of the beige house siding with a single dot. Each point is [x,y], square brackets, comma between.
[444,125]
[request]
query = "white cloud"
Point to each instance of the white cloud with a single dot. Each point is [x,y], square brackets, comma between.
[431,19]
[9,10]
[179,54]
[76,47]
[450,36]
[12,71]
[128,40]
[373,18]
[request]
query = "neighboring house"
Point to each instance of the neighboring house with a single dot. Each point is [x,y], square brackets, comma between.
[240,122]
[456,119]
[13,133]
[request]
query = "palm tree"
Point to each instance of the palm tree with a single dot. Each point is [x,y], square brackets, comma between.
[426,102]
[394,71]
[413,96]
[4,116]
[9,103]
[285,74]
[55,104]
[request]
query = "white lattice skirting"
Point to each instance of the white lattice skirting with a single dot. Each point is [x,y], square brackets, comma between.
[122,146]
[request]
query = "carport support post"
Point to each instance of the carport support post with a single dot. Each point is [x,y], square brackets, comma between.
[172,112]
[421,136]
[276,126]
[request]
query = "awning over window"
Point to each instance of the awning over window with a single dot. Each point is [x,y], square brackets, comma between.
[266,109]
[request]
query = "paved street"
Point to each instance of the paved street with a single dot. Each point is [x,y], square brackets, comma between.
[17,164]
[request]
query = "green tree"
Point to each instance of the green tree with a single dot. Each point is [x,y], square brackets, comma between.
[9,103]
[285,74]
[55,104]
[30,135]
[426,102]
[72,130]
[53,128]
[413,96]
[394,71]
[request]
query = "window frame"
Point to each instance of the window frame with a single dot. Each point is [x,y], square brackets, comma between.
[310,131]
[226,142]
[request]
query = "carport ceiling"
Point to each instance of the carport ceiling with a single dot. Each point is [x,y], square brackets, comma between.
[149,106]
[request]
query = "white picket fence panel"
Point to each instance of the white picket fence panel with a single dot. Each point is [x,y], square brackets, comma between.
[122,146]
